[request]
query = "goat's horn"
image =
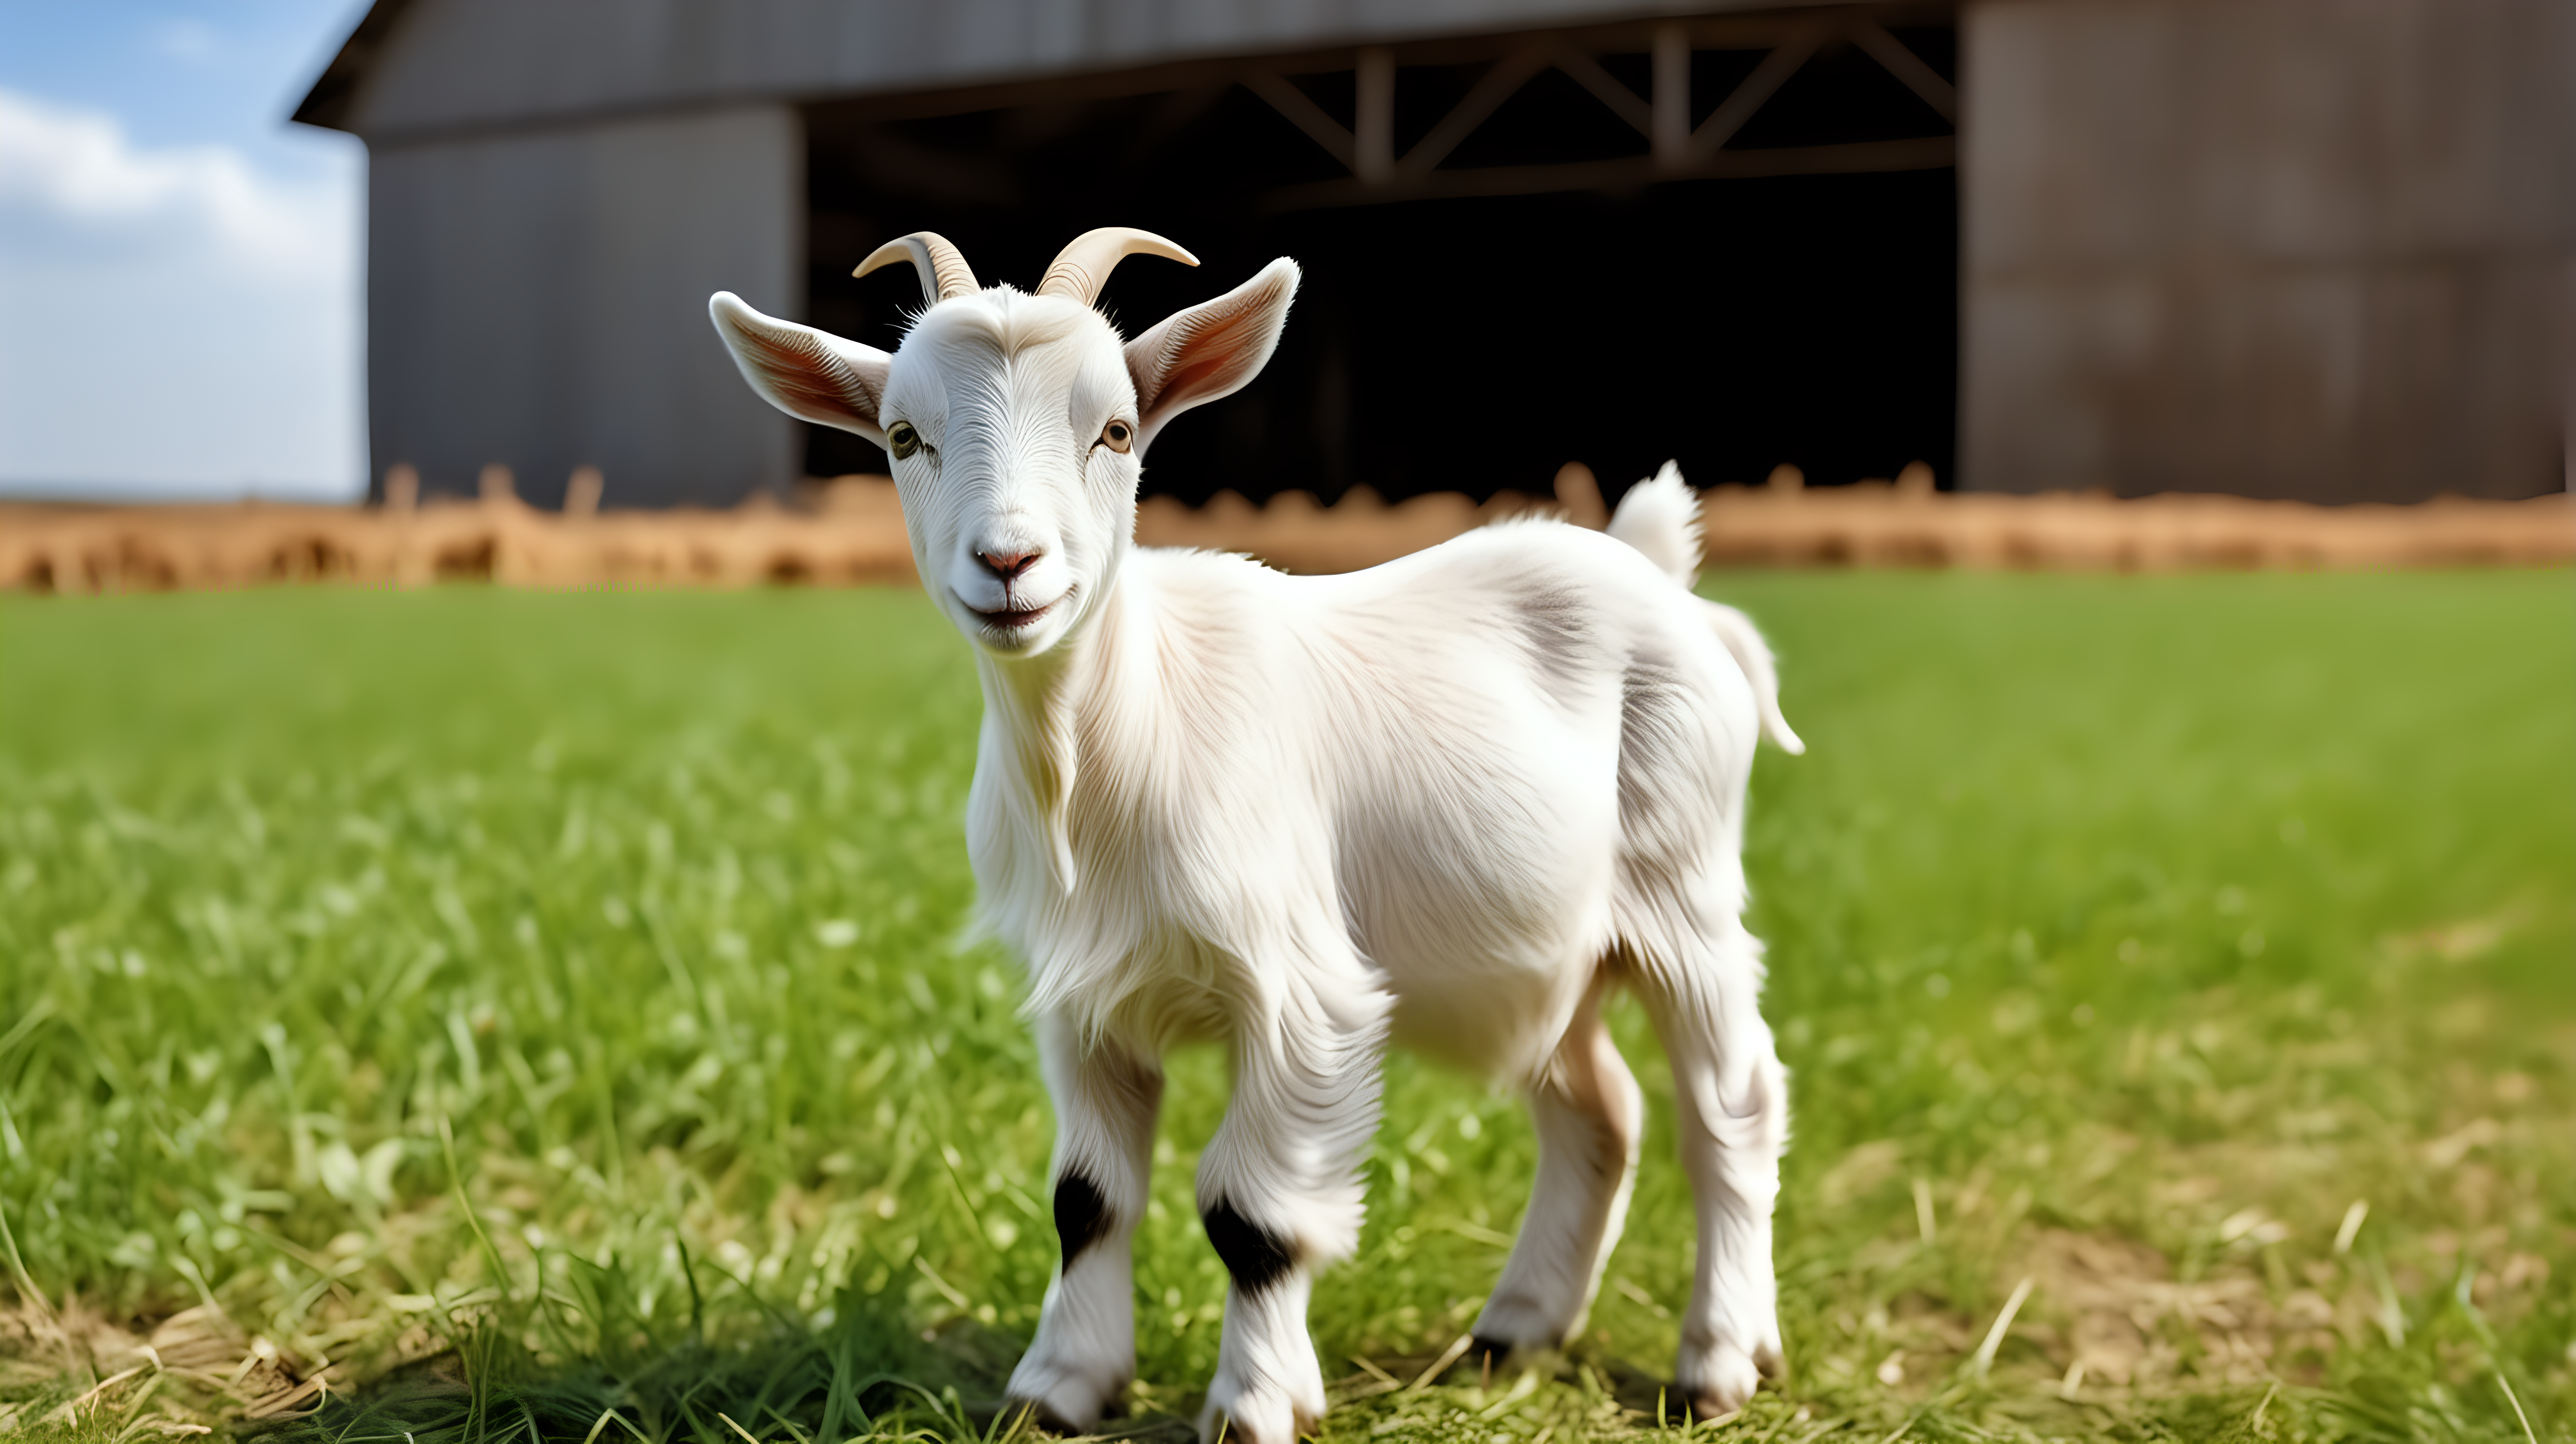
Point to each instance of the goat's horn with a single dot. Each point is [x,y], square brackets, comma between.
[1083,267]
[943,270]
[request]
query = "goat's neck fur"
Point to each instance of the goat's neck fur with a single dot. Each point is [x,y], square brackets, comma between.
[1031,740]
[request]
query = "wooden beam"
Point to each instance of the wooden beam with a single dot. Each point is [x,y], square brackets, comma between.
[1605,87]
[1495,86]
[1304,114]
[1904,64]
[1373,117]
[1928,153]
[1748,97]
[1671,133]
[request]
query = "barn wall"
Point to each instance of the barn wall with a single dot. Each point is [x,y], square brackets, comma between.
[2268,246]
[539,300]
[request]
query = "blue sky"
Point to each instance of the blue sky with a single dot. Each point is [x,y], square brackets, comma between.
[181,270]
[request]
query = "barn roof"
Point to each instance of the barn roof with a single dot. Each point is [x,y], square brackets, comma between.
[423,68]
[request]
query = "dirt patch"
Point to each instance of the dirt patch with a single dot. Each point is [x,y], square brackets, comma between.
[177,1377]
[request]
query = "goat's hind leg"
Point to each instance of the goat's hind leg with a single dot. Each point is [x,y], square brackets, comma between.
[1733,1099]
[1106,1097]
[1590,1116]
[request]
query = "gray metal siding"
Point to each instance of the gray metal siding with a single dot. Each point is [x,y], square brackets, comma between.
[540,301]
[2268,247]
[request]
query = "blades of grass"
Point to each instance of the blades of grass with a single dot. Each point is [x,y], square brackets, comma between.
[1006,1421]
[737,1428]
[35,1016]
[837,1399]
[1439,1365]
[490,1338]
[2464,1293]
[607,1296]
[71,1411]
[795,1361]
[684,982]
[2509,1397]
[196,1278]
[974,1219]
[602,1422]
[544,1305]
[456,1181]
[1985,1359]
[938,1403]
[777,1317]
[2392,1317]
[843,1395]
[793,1432]
[1522,1388]
[946,1289]
[28,1293]
[697,1300]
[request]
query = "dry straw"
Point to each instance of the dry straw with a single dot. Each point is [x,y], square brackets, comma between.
[850,531]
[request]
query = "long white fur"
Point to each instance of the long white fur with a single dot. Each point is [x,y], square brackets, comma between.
[1448,801]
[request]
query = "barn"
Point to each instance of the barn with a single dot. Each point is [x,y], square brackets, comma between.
[2265,247]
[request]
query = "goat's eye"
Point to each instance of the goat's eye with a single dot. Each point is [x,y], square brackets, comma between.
[1119,437]
[902,440]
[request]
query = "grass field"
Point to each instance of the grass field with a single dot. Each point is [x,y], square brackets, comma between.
[539,1006]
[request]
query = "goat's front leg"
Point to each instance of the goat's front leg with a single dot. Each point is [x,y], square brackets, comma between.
[1106,1096]
[1280,1191]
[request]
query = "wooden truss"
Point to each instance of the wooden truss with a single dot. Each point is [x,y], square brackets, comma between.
[1677,150]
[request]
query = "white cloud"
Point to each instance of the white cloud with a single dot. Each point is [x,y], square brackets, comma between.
[172,318]
[75,171]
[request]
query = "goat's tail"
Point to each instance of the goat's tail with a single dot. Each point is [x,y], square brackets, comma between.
[1660,517]
[1753,654]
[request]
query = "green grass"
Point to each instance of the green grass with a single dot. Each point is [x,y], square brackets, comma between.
[2136,928]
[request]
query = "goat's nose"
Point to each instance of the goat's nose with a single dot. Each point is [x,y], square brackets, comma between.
[1007,565]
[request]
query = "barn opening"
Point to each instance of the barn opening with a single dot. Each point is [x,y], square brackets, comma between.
[1730,241]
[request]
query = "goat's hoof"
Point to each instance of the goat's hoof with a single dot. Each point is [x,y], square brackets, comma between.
[1769,1361]
[1046,1417]
[1255,1416]
[1060,1400]
[1515,1324]
[1718,1382]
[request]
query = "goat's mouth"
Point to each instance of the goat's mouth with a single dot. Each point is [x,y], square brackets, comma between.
[1009,621]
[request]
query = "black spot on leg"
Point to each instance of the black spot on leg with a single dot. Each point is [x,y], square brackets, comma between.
[1256,1257]
[1487,1353]
[1081,1215]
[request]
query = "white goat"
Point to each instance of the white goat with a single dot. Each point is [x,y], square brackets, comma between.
[1452,799]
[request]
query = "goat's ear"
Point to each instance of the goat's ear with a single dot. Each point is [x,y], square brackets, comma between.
[811,375]
[1209,350]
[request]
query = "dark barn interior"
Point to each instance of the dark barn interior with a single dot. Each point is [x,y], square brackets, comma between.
[1460,342]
